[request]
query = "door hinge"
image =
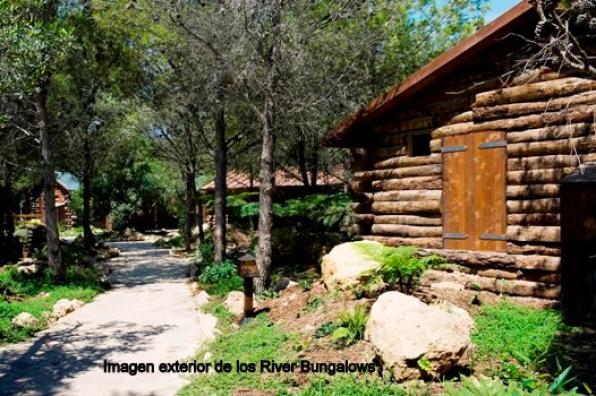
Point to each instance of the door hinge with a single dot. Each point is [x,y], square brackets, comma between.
[493,237]
[455,236]
[495,144]
[453,149]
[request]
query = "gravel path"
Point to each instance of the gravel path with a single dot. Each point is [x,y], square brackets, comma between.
[148,316]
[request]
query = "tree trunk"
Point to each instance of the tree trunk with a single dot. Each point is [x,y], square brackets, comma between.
[221,170]
[302,167]
[88,238]
[190,209]
[49,184]
[199,216]
[264,249]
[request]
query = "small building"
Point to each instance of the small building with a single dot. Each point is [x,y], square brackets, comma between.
[288,184]
[465,159]
[66,184]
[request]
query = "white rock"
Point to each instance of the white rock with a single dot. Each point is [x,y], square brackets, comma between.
[43,295]
[207,356]
[28,269]
[235,303]
[65,306]
[403,330]
[201,298]
[24,319]
[344,265]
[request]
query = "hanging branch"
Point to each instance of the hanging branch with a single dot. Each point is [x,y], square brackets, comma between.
[564,35]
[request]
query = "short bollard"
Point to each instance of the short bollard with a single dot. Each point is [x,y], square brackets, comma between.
[247,269]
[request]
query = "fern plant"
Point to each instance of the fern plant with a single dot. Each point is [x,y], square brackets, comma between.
[398,267]
[350,326]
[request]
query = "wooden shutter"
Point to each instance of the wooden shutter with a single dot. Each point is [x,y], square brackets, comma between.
[474,203]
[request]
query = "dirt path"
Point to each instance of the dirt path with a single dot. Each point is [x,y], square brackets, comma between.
[148,316]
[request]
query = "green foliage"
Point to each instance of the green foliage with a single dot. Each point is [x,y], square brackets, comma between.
[259,340]
[20,293]
[313,304]
[511,332]
[484,386]
[349,385]
[328,210]
[325,329]
[397,266]
[350,326]
[221,278]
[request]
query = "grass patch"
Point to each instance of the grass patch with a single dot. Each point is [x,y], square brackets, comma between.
[507,331]
[21,294]
[347,385]
[259,340]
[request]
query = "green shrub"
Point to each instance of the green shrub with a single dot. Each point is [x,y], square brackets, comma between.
[398,267]
[348,385]
[350,326]
[484,386]
[221,278]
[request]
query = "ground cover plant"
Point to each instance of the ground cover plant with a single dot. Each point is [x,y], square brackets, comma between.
[217,278]
[399,268]
[251,343]
[37,294]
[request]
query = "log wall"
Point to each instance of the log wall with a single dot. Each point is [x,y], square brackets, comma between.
[550,125]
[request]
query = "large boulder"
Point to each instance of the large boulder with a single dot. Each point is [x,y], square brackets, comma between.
[344,265]
[65,306]
[413,339]
[25,319]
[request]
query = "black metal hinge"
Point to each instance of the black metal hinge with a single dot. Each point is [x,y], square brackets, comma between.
[455,236]
[495,144]
[493,237]
[453,149]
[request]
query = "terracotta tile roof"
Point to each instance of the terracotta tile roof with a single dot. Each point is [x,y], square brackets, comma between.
[238,181]
[342,134]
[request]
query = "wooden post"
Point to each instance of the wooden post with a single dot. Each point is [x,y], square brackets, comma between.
[249,290]
[247,269]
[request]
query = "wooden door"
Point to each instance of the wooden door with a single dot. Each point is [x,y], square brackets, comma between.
[474,201]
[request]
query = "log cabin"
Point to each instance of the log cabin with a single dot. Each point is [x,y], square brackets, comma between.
[465,159]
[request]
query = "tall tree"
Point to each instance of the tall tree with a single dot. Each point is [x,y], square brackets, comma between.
[34,39]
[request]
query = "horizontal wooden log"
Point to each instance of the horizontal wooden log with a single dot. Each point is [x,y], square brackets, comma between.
[364,218]
[542,176]
[406,207]
[412,183]
[407,231]
[403,162]
[466,116]
[499,260]
[360,186]
[544,219]
[412,171]
[572,115]
[409,124]
[551,133]
[377,154]
[518,109]
[435,146]
[543,205]
[535,91]
[533,276]
[549,162]
[408,220]
[533,249]
[424,243]
[408,195]
[532,191]
[476,282]
[552,147]
[534,233]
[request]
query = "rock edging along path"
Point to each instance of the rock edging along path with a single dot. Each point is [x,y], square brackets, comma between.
[149,316]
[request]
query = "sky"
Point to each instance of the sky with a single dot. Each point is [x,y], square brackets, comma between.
[498,7]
